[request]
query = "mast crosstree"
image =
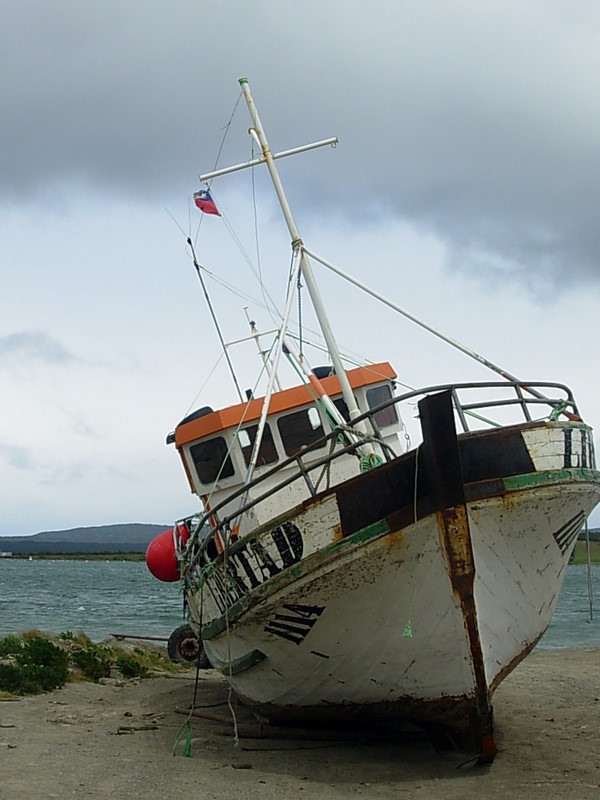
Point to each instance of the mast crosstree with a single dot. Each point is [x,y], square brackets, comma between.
[268,158]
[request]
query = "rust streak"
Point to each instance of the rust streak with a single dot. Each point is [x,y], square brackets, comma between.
[454,525]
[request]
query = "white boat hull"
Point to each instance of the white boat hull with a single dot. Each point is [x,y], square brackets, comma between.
[418,621]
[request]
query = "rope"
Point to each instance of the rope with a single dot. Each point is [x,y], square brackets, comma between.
[557,411]
[369,461]
[186,727]
[186,750]
[228,636]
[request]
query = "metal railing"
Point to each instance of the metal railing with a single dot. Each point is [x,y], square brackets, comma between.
[473,415]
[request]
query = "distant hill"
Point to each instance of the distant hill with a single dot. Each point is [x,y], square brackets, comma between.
[132,537]
[594,535]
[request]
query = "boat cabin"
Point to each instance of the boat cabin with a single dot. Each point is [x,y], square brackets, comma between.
[216,446]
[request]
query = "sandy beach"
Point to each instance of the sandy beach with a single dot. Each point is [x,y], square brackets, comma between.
[116,740]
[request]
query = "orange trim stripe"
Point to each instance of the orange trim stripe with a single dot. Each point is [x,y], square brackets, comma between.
[280,401]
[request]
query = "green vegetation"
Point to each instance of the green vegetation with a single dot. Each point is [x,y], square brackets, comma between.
[130,667]
[34,662]
[93,660]
[580,553]
[31,665]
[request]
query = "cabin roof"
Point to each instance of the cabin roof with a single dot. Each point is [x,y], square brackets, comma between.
[285,400]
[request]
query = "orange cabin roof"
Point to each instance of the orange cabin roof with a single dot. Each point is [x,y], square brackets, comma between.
[285,400]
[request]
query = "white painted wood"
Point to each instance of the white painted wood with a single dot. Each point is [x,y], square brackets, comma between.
[377,620]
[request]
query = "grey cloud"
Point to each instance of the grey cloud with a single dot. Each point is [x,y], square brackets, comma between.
[478,122]
[17,456]
[34,347]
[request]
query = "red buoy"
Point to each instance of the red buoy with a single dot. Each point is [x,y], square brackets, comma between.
[160,555]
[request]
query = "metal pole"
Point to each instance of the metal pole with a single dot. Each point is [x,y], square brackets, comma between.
[311,285]
[254,334]
[589,571]
[267,398]
[314,383]
[214,319]
[333,140]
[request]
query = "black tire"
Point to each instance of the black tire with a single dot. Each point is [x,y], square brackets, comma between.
[184,647]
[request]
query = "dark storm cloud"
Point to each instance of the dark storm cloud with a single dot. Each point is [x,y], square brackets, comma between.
[477,122]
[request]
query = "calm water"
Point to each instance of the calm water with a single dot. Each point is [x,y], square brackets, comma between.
[104,597]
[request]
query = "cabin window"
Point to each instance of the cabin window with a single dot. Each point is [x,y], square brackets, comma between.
[211,460]
[299,430]
[267,453]
[342,407]
[376,396]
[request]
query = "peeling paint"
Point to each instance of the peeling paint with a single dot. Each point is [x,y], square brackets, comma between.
[418,544]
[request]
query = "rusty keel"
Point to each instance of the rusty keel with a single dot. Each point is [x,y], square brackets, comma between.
[441,459]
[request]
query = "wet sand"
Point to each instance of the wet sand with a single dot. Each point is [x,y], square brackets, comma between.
[116,741]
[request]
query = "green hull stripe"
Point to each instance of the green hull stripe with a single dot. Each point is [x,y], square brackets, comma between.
[291,574]
[511,484]
[237,664]
[551,476]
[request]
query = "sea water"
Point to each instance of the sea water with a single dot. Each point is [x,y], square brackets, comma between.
[105,597]
[97,597]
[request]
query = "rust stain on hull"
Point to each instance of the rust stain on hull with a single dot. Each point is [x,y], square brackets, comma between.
[442,457]
[454,528]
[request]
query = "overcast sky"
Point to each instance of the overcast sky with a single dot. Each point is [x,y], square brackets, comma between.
[465,186]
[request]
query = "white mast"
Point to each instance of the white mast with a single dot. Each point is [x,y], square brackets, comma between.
[311,285]
[268,158]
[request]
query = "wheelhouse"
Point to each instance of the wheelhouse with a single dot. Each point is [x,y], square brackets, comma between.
[216,445]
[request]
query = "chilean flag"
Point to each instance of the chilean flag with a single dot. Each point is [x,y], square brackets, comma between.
[205,202]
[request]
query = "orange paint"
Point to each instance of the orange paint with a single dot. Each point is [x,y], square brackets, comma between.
[285,400]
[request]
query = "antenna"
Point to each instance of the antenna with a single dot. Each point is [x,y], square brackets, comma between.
[255,334]
[212,313]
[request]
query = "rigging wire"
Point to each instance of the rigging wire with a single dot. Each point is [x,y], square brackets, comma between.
[263,288]
[204,385]
[216,322]
[268,303]
[236,433]
[268,300]
[218,156]
[348,355]
[299,288]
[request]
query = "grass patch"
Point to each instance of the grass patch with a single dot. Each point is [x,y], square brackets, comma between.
[35,662]
[580,553]
[36,665]
[131,667]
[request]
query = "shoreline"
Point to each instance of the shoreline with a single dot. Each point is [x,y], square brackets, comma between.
[95,556]
[116,739]
[578,559]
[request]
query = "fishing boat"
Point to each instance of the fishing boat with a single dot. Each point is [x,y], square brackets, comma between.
[336,574]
